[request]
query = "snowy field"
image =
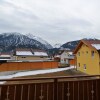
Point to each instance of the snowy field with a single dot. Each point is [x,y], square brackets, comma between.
[34,72]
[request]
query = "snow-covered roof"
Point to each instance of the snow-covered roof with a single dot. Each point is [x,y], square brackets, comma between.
[28,53]
[5,55]
[57,56]
[40,53]
[70,53]
[31,53]
[97,46]
[5,59]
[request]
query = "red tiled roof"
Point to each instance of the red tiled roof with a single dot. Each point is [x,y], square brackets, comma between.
[91,41]
[88,43]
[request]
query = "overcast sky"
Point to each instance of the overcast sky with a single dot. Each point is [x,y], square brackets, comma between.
[56,21]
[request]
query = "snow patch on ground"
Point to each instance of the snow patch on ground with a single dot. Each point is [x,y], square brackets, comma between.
[36,72]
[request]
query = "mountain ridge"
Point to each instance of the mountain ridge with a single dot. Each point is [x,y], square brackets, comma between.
[12,40]
[39,40]
[72,44]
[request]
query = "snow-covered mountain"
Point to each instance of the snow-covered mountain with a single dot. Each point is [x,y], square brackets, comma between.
[72,44]
[58,45]
[39,40]
[10,41]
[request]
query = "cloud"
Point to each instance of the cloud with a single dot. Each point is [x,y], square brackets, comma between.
[56,21]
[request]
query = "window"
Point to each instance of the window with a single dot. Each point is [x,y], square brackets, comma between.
[64,59]
[84,66]
[23,57]
[78,64]
[86,52]
[92,53]
[41,57]
[78,53]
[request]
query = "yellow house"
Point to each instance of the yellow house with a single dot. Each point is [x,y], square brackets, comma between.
[30,55]
[88,56]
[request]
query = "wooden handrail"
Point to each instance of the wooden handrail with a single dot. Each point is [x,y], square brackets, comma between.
[45,78]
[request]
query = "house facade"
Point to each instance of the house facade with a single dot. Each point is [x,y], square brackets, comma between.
[4,57]
[30,54]
[66,56]
[88,56]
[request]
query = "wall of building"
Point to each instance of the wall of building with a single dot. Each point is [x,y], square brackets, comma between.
[92,62]
[12,66]
[72,62]
[30,58]
[64,57]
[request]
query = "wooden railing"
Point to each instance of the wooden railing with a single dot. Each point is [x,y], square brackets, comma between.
[55,88]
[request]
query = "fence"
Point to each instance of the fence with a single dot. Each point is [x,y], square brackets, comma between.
[55,88]
[12,66]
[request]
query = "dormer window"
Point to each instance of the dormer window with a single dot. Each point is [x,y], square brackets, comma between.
[92,53]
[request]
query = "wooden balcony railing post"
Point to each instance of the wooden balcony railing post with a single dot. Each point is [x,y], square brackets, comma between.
[55,89]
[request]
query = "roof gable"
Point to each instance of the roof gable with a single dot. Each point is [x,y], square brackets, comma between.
[93,44]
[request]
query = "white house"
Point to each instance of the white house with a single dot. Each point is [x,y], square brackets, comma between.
[66,56]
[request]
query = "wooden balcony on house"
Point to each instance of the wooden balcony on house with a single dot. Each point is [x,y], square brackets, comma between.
[51,88]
